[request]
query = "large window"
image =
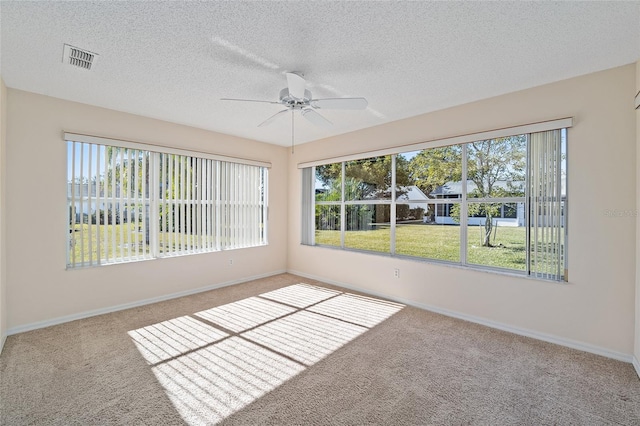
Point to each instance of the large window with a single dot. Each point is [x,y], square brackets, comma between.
[129,204]
[494,203]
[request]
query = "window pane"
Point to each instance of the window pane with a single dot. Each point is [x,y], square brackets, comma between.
[368,179]
[496,167]
[328,182]
[328,225]
[495,241]
[405,182]
[418,234]
[368,227]
[510,211]
[433,171]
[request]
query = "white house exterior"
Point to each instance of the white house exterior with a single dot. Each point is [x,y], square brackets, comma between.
[413,196]
[511,214]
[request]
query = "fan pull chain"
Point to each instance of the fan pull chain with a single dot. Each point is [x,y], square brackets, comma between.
[292,135]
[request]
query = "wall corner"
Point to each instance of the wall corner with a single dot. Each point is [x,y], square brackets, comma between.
[636,351]
[3,263]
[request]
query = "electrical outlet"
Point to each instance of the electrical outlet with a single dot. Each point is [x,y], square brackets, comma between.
[230,262]
[396,273]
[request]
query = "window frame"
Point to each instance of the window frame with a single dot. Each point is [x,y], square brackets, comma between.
[463,200]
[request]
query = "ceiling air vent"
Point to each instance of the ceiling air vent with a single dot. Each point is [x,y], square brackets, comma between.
[79,57]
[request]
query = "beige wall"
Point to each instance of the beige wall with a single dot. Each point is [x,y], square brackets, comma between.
[637,334]
[596,308]
[3,269]
[39,288]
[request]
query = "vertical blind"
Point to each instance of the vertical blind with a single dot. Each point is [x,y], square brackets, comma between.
[547,240]
[128,204]
[308,198]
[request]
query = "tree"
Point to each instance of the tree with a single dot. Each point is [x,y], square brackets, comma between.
[497,168]
[434,167]
[367,179]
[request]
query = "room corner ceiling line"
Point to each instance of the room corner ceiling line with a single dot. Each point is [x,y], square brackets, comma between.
[78,137]
[541,126]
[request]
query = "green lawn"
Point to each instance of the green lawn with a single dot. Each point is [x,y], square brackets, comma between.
[439,242]
[84,235]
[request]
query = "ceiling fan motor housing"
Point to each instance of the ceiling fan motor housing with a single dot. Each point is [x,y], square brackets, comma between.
[292,102]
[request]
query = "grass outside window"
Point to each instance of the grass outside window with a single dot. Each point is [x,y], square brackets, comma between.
[440,242]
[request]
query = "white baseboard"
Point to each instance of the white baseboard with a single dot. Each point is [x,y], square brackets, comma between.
[3,339]
[482,321]
[636,365]
[101,311]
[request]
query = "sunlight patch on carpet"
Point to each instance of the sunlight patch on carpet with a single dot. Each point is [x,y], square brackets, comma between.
[168,339]
[210,373]
[245,314]
[300,295]
[305,336]
[361,310]
[208,385]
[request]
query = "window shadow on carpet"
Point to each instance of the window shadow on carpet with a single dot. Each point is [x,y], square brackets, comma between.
[215,362]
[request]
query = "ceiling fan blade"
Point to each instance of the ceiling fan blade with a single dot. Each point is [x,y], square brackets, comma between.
[296,84]
[248,100]
[273,117]
[315,118]
[340,103]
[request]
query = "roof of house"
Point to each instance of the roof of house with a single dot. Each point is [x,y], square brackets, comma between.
[411,193]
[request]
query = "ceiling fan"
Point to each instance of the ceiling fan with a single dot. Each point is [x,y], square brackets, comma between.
[295,97]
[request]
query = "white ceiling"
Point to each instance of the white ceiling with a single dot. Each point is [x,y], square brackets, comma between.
[175,60]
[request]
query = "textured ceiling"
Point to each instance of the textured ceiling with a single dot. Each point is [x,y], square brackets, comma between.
[175,60]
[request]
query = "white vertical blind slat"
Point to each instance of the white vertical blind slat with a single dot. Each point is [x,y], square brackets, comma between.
[74,201]
[197,189]
[82,180]
[136,202]
[105,209]
[187,210]
[145,204]
[114,211]
[172,203]
[129,198]
[97,206]
[218,207]
[89,203]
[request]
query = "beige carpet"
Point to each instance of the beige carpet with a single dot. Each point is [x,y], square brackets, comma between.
[287,350]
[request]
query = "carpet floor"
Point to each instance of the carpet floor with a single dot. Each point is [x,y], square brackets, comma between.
[291,351]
